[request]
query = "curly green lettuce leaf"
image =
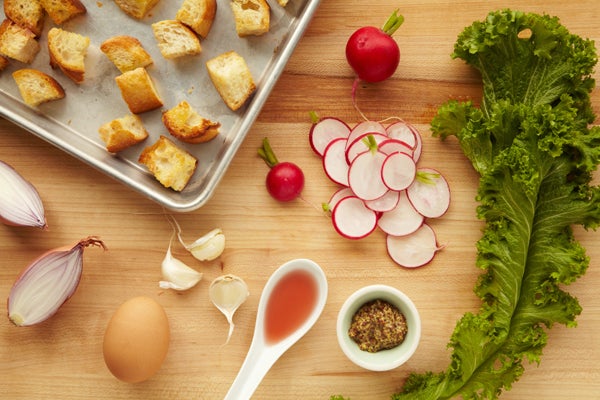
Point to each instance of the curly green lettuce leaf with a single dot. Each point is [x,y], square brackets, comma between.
[535,153]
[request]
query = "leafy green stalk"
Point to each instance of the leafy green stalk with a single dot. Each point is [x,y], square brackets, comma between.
[535,153]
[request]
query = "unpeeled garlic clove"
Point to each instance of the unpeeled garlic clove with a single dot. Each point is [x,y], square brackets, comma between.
[228,293]
[176,274]
[208,247]
[20,202]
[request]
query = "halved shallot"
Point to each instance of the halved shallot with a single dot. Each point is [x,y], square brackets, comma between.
[20,202]
[49,281]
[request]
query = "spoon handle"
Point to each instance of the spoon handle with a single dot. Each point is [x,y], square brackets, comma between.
[253,370]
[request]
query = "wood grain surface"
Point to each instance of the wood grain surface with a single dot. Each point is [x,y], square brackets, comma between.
[62,357]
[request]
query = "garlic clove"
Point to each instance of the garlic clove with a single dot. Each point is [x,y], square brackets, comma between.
[176,274]
[20,202]
[228,293]
[208,247]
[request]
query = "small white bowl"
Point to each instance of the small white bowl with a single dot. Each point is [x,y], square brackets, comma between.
[383,360]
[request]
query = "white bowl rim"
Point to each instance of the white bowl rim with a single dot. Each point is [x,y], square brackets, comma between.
[382,360]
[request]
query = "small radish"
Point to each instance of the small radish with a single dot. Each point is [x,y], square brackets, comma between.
[285,180]
[363,128]
[326,130]
[429,193]
[364,174]
[385,203]
[372,52]
[414,250]
[360,145]
[352,219]
[336,197]
[334,161]
[398,171]
[402,220]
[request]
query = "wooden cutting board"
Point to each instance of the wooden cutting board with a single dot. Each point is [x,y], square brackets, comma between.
[62,358]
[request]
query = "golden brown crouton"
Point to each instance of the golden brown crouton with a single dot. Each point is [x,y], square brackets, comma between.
[61,11]
[184,123]
[26,13]
[232,78]
[136,8]
[126,52]
[36,87]
[175,39]
[67,52]
[198,15]
[122,133]
[172,166]
[138,91]
[252,17]
[17,42]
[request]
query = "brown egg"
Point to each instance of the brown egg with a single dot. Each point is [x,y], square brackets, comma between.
[136,340]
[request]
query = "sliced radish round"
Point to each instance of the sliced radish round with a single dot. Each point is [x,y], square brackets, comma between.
[352,219]
[365,127]
[407,133]
[414,250]
[398,171]
[325,131]
[387,202]
[334,161]
[361,144]
[402,220]
[390,146]
[338,195]
[364,175]
[429,193]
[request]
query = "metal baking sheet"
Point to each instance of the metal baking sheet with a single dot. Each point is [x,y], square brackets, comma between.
[72,123]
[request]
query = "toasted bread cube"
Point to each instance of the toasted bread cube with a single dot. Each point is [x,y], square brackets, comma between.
[17,42]
[175,39]
[28,14]
[232,78]
[122,133]
[67,52]
[252,17]
[184,123]
[60,11]
[198,15]
[282,3]
[138,91]
[136,8]
[126,52]
[172,166]
[37,87]
[3,62]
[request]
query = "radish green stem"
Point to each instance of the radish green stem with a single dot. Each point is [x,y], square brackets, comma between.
[393,23]
[426,177]
[267,154]
[371,143]
[314,117]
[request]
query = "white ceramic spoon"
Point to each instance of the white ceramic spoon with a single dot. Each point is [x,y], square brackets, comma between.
[262,355]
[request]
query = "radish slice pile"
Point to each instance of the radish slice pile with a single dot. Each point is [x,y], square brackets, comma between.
[381,186]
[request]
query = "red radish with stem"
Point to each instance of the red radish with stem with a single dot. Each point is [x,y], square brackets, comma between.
[285,180]
[372,52]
